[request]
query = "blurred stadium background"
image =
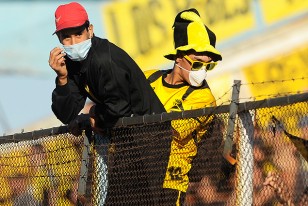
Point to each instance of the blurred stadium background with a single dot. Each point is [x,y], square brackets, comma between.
[263,43]
[260,40]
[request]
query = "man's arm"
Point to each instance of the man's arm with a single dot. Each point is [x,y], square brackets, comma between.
[67,101]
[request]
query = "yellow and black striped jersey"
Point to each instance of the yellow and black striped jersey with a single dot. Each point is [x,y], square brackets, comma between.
[176,98]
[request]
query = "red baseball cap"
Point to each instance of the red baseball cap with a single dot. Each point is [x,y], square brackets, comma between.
[70,15]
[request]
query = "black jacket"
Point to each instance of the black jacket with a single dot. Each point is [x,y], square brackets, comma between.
[118,85]
[119,88]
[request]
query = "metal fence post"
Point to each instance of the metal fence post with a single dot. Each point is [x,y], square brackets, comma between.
[245,161]
[84,167]
[231,122]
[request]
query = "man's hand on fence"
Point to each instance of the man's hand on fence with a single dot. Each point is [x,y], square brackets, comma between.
[93,121]
[78,124]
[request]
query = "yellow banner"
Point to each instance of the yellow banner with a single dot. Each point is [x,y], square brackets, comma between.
[144,28]
[228,18]
[274,10]
[287,67]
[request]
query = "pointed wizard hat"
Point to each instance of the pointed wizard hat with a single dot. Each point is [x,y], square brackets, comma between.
[189,33]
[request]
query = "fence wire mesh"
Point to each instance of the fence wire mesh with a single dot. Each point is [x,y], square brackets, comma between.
[129,165]
[40,172]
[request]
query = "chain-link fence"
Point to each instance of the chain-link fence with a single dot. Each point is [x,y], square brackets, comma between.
[40,172]
[253,154]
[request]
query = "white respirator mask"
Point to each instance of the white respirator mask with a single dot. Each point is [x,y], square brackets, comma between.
[196,77]
[78,52]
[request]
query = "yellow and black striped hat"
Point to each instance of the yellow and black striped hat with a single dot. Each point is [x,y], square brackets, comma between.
[189,33]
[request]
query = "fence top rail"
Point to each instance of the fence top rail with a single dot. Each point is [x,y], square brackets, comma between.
[271,102]
[164,117]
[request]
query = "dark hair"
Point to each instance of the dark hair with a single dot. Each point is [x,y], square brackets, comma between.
[192,51]
[82,27]
[86,25]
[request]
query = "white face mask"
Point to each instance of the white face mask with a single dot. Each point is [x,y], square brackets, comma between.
[196,77]
[78,52]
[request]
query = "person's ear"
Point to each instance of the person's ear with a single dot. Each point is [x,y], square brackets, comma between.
[178,59]
[91,31]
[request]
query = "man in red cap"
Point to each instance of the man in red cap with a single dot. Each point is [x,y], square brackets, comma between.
[90,67]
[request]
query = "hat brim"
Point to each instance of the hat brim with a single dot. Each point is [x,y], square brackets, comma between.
[216,56]
[70,25]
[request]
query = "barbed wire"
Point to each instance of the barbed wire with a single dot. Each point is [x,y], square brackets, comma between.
[275,81]
[273,95]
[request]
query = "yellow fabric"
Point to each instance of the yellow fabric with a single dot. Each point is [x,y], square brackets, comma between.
[40,182]
[183,147]
[178,199]
[5,194]
[63,201]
